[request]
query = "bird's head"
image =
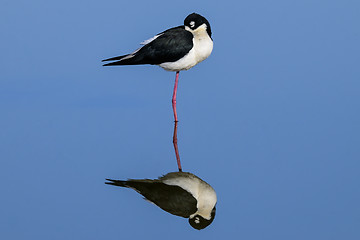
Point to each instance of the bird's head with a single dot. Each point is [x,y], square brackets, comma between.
[195,21]
[199,222]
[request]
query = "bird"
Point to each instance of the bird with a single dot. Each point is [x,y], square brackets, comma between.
[176,49]
[179,193]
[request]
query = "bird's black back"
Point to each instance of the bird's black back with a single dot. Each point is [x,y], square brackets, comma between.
[170,46]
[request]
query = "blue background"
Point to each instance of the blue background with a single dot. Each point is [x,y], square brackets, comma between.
[271,119]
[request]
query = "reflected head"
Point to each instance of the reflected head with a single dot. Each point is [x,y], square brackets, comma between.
[198,222]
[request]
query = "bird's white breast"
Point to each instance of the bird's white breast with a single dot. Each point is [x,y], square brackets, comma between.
[203,44]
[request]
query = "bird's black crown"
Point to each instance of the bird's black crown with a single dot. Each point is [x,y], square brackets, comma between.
[195,20]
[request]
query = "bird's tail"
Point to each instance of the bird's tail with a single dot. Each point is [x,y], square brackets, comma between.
[119,183]
[128,59]
[117,59]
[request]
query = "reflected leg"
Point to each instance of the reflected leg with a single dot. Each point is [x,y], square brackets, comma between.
[176,147]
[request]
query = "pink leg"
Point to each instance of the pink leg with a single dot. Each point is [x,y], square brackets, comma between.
[174,96]
[176,147]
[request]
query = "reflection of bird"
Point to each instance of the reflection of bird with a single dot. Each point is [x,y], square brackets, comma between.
[176,49]
[179,193]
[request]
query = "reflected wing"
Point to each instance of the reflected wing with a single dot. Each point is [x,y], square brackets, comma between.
[172,199]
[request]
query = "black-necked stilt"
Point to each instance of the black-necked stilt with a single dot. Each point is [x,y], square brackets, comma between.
[176,49]
[179,193]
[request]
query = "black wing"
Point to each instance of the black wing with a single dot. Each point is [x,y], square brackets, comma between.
[170,46]
[172,199]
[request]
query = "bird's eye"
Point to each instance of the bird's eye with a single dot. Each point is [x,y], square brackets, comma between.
[192,24]
[197,220]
